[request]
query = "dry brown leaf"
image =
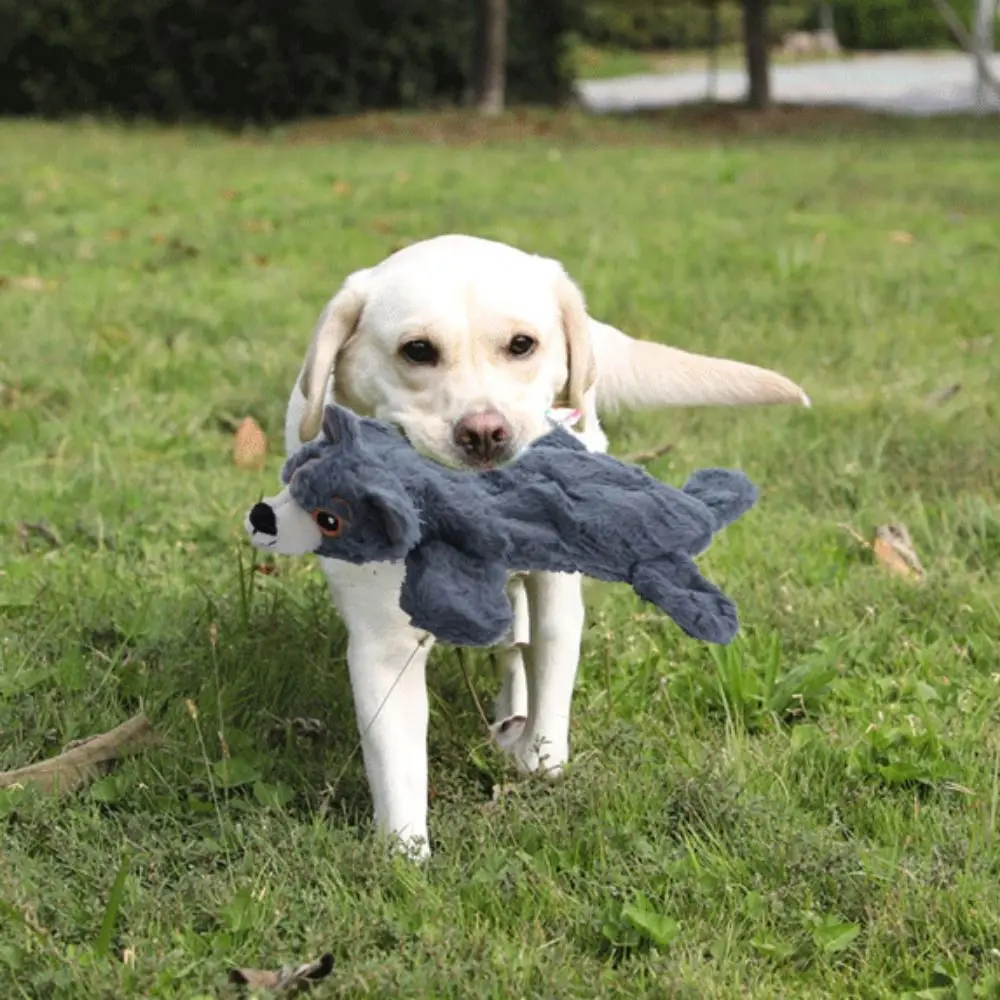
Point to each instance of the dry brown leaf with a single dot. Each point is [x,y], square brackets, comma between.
[28,283]
[249,445]
[288,980]
[116,235]
[894,550]
[901,237]
[258,226]
[941,396]
[341,188]
[228,195]
[977,344]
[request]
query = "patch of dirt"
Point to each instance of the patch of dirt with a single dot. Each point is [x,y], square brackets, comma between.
[673,126]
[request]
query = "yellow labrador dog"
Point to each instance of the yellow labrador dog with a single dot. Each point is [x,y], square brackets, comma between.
[466,345]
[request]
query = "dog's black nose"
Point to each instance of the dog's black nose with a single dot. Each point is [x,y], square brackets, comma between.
[263,520]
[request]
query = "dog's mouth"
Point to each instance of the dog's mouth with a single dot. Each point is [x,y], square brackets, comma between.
[450,456]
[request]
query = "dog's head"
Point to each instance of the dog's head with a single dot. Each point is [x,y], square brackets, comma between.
[340,501]
[462,343]
[466,344]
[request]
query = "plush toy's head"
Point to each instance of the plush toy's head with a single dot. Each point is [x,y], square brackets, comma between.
[341,500]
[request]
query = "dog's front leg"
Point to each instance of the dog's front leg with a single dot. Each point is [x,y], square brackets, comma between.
[387,658]
[551,658]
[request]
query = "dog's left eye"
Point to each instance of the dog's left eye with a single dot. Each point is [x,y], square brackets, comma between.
[328,523]
[521,345]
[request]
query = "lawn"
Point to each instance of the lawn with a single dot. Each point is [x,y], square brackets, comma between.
[810,813]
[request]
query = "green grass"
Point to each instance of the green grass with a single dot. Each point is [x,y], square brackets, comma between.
[809,813]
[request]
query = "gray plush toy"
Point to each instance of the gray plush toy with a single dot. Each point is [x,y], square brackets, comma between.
[361,493]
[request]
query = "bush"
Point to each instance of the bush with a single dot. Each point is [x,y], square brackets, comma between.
[263,60]
[896,24]
[679,24]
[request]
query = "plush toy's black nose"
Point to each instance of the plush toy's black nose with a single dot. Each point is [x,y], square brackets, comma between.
[263,520]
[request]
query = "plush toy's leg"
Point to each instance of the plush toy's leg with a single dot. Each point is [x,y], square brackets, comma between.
[461,600]
[386,658]
[550,661]
[675,585]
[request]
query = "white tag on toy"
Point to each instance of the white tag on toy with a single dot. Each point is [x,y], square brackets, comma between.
[563,417]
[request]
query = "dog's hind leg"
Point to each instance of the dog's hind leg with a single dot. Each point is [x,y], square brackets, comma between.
[556,616]
[510,707]
[675,585]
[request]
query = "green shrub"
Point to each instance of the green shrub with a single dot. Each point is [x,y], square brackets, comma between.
[263,60]
[679,24]
[896,24]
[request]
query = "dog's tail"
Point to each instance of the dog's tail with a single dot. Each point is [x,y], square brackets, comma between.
[640,374]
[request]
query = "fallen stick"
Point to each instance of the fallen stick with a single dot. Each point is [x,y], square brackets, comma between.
[641,457]
[82,762]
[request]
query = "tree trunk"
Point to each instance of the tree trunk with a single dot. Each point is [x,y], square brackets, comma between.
[757,56]
[985,26]
[489,56]
[714,32]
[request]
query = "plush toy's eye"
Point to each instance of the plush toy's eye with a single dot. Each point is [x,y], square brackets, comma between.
[328,523]
[521,345]
[420,352]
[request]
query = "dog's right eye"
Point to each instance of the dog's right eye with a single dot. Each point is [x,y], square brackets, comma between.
[420,352]
[328,523]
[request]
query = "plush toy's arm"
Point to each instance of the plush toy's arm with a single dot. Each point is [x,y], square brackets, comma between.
[675,585]
[455,597]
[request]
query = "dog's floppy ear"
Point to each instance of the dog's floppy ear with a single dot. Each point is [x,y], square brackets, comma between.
[580,364]
[332,331]
[340,426]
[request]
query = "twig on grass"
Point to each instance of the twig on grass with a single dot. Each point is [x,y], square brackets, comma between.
[641,457]
[28,528]
[83,761]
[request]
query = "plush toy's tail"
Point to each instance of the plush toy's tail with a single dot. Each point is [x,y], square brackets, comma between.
[726,492]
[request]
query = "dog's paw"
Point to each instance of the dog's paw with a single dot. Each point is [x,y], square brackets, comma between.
[508,732]
[538,757]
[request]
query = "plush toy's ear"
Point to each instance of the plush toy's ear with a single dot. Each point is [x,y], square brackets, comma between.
[398,519]
[581,367]
[297,459]
[332,331]
[340,426]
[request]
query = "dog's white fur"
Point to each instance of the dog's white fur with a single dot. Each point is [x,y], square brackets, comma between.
[469,296]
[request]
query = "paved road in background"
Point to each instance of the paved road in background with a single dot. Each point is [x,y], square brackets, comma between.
[923,84]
